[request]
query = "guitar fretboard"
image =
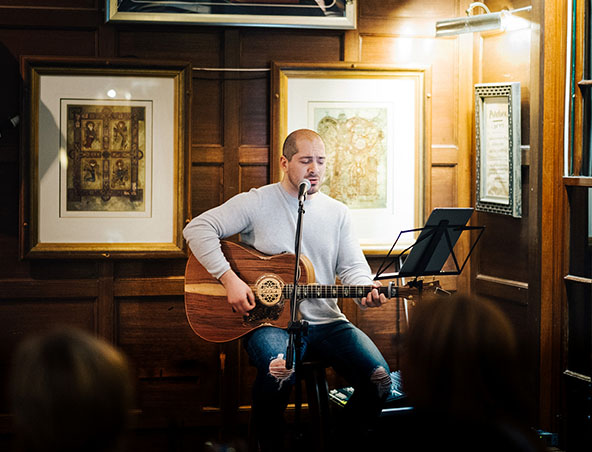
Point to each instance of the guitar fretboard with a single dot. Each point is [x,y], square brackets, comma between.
[330,291]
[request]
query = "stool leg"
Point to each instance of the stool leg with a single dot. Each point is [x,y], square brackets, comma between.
[318,406]
[252,442]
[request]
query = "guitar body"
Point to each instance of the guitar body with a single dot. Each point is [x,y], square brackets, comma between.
[208,312]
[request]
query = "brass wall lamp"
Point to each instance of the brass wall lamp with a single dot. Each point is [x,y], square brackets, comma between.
[475,23]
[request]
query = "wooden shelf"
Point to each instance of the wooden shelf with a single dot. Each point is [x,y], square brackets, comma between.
[577,181]
[578,279]
[577,376]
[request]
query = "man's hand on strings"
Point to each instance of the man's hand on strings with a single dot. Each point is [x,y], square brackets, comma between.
[239,294]
[374,299]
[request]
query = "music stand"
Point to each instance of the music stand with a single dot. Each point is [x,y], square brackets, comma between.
[434,245]
[430,251]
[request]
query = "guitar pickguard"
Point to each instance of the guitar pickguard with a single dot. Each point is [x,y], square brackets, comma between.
[261,313]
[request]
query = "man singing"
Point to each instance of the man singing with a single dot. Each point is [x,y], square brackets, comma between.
[266,219]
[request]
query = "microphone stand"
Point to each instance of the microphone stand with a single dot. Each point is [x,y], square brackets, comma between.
[296,327]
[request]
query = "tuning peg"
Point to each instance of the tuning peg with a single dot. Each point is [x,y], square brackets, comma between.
[440,291]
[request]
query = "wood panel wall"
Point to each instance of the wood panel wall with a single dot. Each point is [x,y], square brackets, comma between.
[184,383]
[505,265]
[518,264]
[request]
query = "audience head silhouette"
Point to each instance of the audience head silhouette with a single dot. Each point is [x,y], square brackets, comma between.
[70,392]
[461,355]
[462,372]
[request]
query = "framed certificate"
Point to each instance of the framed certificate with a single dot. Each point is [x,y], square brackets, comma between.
[497,124]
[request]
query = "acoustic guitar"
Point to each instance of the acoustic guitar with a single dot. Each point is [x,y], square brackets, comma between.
[212,318]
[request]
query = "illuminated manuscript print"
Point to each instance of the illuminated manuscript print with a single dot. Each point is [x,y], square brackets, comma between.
[356,146]
[106,147]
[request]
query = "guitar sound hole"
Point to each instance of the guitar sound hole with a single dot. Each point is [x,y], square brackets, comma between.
[269,290]
[270,302]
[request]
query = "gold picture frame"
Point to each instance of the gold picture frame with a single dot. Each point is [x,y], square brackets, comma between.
[104,164]
[383,114]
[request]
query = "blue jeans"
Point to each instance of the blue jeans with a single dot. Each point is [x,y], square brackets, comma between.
[346,348]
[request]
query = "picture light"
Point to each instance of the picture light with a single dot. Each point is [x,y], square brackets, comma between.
[480,22]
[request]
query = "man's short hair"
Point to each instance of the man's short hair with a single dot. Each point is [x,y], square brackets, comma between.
[291,142]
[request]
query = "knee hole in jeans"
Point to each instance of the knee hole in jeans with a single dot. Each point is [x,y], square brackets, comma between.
[277,369]
[382,380]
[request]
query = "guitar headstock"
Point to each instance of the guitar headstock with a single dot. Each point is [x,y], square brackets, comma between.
[417,288]
[427,286]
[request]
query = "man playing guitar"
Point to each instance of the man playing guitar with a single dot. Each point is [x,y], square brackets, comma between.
[266,219]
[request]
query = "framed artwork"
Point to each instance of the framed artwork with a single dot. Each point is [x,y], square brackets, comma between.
[497,124]
[336,14]
[104,164]
[373,120]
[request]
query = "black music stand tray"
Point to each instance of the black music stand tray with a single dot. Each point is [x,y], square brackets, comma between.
[433,246]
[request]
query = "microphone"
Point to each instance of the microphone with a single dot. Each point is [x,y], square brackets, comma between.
[303,187]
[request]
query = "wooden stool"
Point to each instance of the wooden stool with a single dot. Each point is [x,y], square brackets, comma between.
[313,374]
[317,393]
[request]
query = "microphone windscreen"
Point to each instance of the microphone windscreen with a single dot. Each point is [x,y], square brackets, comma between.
[306,182]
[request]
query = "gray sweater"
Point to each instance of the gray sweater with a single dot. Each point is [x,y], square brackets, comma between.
[266,219]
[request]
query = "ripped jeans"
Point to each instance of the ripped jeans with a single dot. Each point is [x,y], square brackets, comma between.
[346,348]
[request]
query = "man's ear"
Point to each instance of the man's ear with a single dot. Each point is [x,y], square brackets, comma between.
[283,163]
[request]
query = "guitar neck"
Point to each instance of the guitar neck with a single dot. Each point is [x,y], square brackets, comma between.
[336,291]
